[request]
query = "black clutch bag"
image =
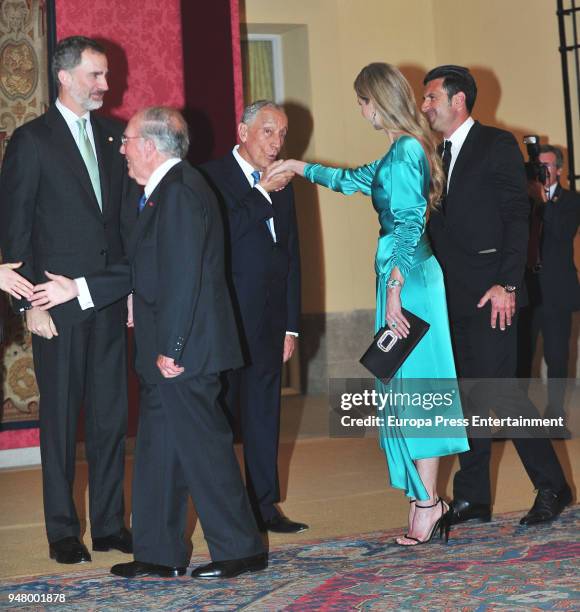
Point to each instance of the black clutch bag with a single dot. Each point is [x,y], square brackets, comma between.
[387,353]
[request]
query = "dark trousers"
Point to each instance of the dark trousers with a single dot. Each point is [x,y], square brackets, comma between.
[555,327]
[484,353]
[86,364]
[185,447]
[253,395]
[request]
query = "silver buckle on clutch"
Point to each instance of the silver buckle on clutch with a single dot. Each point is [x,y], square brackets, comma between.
[381,341]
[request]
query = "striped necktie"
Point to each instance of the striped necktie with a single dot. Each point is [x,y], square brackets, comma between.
[142,202]
[90,160]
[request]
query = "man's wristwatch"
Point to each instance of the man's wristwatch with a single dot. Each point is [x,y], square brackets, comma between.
[509,288]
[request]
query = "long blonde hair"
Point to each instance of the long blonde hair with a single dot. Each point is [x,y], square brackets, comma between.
[397,110]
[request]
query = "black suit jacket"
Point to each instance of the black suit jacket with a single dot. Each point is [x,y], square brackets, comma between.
[176,268]
[49,215]
[265,274]
[481,237]
[556,286]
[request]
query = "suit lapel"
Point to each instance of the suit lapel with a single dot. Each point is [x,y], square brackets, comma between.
[236,177]
[148,212]
[239,184]
[105,145]
[463,158]
[65,142]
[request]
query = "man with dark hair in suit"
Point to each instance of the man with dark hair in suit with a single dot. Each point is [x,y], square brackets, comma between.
[264,263]
[185,335]
[480,236]
[62,187]
[551,280]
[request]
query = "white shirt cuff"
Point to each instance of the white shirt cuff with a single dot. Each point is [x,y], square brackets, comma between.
[84,296]
[295,334]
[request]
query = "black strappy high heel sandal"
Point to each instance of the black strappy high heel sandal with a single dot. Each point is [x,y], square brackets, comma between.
[443,524]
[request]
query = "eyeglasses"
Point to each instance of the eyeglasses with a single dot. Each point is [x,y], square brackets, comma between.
[124,138]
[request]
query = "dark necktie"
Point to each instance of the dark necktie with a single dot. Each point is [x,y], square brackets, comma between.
[446,158]
[142,202]
[445,150]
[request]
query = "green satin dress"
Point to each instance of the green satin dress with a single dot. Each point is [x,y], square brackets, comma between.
[399,186]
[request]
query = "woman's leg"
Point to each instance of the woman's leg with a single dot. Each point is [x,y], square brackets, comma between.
[421,520]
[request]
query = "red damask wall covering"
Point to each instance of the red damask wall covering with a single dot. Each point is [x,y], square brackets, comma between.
[183,53]
[144,47]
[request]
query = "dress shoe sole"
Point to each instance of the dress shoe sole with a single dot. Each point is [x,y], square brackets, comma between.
[486,518]
[106,548]
[175,574]
[244,570]
[152,574]
[299,530]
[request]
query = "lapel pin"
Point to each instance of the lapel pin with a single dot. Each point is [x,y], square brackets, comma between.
[110,139]
[150,203]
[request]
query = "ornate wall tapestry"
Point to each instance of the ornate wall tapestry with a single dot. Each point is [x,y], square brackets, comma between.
[25,27]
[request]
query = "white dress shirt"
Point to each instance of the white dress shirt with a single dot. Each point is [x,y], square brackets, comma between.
[457,139]
[72,120]
[158,174]
[247,169]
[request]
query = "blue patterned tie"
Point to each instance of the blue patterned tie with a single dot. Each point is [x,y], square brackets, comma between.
[269,222]
[142,202]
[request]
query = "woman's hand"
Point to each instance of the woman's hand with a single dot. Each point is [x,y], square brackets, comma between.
[14,284]
[288,165]
[395,319]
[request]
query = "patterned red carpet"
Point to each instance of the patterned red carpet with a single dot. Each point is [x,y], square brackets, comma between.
[494,566]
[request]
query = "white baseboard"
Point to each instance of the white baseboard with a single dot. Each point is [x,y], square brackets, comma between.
[20,457]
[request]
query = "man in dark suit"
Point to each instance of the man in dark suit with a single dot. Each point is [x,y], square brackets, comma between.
[480,235]
[551,280]
[61,190]
[264,265]
[185,335]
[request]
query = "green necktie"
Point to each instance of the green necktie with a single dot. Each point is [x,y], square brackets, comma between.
[89,158]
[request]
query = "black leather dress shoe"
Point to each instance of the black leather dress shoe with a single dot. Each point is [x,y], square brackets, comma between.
[136,569]
[68,550]
[547,506]
[230,569]
[463,510]
[121,541]
[282,524]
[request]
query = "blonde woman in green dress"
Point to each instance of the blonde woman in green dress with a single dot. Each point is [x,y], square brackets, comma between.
[404,185]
